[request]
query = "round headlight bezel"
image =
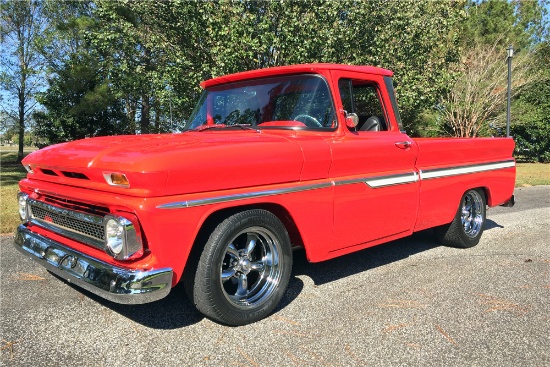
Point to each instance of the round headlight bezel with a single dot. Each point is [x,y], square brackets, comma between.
[23,207]
[122,236]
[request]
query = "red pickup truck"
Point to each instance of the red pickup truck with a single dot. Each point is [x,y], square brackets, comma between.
[305,156]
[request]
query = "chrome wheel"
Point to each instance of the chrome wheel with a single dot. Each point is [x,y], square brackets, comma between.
[467,226]
[250,271]
[473,213]
[243,269]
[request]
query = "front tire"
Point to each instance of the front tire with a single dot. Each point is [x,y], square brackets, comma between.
[244,268]
[467,226]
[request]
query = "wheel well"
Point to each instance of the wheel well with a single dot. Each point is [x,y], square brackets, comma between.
[484,190]
[218,216]
[486,193]
[279,211]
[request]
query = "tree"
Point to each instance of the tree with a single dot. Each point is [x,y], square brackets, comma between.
[416,39]
[131,48]
[476,101]
[504,22]
[79,104]
[79,101]
[21,25]
[479,94]
[152,55]
[531,112]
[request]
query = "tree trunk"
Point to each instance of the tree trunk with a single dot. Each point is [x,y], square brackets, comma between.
[145,114]
[131,114]
[21,127]
[157,115]
[22,103]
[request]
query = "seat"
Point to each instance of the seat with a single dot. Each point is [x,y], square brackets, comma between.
[371,124]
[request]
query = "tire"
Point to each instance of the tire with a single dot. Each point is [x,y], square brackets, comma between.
[467,226]
[244,268]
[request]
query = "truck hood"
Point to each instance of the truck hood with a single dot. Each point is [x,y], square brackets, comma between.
[171,164]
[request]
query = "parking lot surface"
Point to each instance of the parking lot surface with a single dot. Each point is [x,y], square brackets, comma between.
[408,302]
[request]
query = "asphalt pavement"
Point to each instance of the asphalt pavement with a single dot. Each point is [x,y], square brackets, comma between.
[409,302]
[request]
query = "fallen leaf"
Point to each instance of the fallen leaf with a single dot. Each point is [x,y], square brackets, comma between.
[25,276]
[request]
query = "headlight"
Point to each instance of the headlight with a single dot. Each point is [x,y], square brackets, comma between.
[122,237]
[23,209]
[114,238]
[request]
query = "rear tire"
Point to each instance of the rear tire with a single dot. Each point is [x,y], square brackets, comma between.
[244,268]
[467,226]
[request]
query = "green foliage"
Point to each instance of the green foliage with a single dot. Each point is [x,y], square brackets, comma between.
[429,124]
[516,22]
[531,113]
[476,101]
[416,39]
[79,104]
[139,63]
[149,57]
[532,143]
[79,101]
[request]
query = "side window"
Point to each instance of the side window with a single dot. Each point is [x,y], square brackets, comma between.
[363,99]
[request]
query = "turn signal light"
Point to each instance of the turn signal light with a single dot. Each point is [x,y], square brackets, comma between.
[116,179]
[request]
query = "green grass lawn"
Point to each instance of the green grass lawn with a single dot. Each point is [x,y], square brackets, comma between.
[10,174]
[532,174]
[528,174]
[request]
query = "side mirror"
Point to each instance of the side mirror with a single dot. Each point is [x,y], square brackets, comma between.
[352,120]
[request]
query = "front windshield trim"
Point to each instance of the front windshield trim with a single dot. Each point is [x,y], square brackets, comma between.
[258,82]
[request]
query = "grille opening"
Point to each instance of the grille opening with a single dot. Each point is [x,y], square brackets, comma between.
[49,216]
[48,172]
[75,175]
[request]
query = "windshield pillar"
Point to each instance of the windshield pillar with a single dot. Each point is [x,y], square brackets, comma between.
[209,109]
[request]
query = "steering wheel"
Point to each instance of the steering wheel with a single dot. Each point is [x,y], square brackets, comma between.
[308,120]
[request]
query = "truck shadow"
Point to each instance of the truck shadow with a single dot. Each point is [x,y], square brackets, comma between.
[176,310]
[172,312]
[489,224]
[355,263]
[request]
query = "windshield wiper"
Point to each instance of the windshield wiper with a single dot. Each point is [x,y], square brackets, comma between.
[208,127]
[222,126]
[246,127]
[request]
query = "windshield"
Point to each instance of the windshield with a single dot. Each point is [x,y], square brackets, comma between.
[300,101]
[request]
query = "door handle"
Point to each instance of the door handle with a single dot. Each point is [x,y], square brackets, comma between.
[403,144]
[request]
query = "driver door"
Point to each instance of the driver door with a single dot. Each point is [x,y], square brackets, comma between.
[376,184]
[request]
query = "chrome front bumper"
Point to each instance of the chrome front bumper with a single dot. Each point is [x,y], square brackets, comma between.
[107,281]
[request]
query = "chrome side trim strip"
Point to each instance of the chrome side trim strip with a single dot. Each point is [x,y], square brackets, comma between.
[249,195]
[382,181]
[113,283]
[393,180]
[373,182]
[462,170]
[350,182]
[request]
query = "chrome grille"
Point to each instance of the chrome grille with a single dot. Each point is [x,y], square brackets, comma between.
[83,227]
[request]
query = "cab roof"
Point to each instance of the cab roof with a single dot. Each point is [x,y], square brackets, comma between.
[292,69]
